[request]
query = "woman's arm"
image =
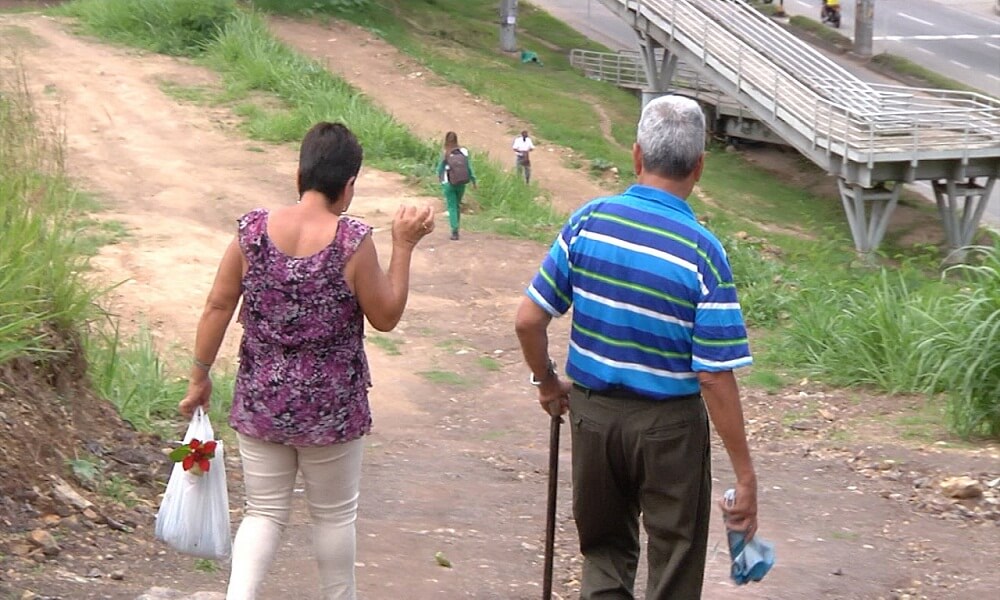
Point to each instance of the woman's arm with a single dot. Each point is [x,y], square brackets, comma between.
[382,295]
[219,308]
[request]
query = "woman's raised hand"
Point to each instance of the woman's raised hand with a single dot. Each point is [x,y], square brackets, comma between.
[411,224]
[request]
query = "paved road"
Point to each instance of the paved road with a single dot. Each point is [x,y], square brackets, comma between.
[957,38]
[594,20]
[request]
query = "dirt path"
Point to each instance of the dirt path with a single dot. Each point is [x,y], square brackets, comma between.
[457,460]
[415,96]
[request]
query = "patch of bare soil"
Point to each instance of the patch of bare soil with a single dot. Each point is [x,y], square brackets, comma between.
[457,461]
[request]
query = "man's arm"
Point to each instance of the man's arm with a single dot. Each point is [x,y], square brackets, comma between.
[531,325]
[722,397]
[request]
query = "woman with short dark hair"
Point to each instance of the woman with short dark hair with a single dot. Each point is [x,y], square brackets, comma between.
[308,277]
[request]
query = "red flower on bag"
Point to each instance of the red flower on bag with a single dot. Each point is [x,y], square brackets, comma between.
[195,456]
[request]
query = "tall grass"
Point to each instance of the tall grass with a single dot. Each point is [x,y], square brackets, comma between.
[768,289]
[967,346]
[176,27]
[901,333]
[869,334]
[44,248]
[131,374]
[42,291]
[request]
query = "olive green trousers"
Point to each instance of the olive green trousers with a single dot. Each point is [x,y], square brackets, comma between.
[633,458]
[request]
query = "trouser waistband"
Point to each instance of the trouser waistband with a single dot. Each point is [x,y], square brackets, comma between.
[623,394]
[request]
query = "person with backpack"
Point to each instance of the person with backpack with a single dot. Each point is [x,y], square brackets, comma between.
[455,171]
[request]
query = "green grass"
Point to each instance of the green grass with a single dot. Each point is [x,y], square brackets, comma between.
[451,344]
[929,78]
[901,332]
[765,379]
[132,375]
[390,346]
[489,363]
[449,378]
[458,39]
[822,31]
[89,471]
[204,565]
[192,94]
[176,27]
[120,490]
[43,294]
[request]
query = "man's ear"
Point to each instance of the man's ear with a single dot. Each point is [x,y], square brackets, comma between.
[699,168]
[637,159]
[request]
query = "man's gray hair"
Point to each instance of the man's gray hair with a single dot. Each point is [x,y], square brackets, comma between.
[671,135]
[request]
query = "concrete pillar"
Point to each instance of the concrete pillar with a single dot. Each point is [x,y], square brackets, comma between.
[508,24]
[864,27]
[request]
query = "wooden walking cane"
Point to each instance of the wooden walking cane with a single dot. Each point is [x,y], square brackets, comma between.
[550,516]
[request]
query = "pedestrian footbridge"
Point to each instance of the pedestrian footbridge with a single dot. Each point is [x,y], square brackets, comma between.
[873,138]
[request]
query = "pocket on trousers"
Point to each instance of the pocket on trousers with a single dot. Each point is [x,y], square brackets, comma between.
[582,424]
[668,431]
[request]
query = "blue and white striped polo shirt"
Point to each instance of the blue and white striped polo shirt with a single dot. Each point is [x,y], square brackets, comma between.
[652,295]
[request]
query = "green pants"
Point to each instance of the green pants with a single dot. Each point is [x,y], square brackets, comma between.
[453,199]
[637,458]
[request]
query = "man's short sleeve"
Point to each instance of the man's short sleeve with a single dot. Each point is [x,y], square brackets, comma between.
[719,339]
[551,288]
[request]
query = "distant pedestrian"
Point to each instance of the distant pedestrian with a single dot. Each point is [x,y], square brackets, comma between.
[522,149]
[655,335]
[455,172]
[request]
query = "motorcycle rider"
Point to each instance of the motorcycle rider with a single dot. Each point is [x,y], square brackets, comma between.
[831,12]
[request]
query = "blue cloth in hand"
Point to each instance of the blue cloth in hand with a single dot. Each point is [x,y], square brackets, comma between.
[750,562]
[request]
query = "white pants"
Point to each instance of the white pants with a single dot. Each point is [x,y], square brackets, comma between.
[332,475]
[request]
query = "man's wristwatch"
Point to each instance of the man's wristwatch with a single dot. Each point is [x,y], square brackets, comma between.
[549,372]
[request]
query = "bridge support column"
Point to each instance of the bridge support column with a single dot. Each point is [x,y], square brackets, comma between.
[868,211]
[659,66]
[961,222]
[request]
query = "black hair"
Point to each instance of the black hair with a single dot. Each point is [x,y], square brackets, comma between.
[330,156]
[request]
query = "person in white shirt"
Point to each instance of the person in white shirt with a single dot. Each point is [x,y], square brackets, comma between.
[522,148]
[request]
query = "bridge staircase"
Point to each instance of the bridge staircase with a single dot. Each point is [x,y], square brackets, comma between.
[872,137]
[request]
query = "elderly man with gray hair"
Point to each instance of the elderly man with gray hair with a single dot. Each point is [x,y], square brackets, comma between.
[656,332]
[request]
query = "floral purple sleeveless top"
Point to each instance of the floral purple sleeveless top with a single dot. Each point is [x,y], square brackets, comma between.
[303,377]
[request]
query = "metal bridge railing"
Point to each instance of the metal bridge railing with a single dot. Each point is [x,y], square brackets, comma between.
[833,111]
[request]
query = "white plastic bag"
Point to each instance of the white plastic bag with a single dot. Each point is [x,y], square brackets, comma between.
[194,514]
